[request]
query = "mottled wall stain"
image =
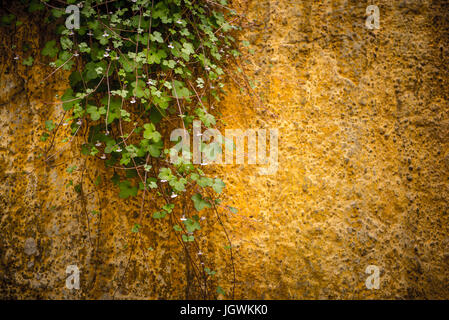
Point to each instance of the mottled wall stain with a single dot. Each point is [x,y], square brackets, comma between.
[363,174]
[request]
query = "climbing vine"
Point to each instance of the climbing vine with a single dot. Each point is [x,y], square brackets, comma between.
[138,68]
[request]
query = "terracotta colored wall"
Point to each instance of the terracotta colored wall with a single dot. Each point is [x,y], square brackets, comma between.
[362,178]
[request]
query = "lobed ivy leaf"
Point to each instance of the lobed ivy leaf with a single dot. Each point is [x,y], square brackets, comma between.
[220,291]
[50,49]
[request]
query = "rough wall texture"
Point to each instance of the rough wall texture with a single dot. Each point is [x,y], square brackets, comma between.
[362,178]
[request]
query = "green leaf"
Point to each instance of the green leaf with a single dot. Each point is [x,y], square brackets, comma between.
[206,118]
[205,182]
[49,125]
[169,63]
[95,113]
[127,190]
[85,149]
[44,136]
[71,100]
[159,214]
[168,207]
[150,132]
[156,36]
[218,185]
[155,56]
[199,202]
[165,174]
[35,6]
[97,181]
[140,90]
[220,291]
[66,43]
[232,209]
[7,19]
[93,151]
[136,228]
[192,225]
[78,188]
[127,64]
[209,271]
[187,50]
[187,238]
[115,179]
[50,49]
[178,184]
[28,61]
[180,90]
[71,169]
[57,13]
[155,149]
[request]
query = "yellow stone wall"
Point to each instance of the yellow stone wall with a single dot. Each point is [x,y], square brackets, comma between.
[362,177]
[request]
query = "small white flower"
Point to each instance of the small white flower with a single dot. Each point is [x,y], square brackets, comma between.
[90,33]
[133,100]
[106,54]
[105,34]
[76,54]
[204,164]
[118,150]
[173,195]
[65,123]
[79,122]
[207,68]
[200,253]
[98,144]
[203,218]
[183,218]
[163,180]
[103,156]
[16,58]
[179,22]
[171,46]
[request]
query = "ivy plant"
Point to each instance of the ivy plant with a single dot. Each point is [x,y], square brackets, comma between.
[134,67]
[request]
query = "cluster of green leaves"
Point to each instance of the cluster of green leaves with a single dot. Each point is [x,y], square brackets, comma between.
[135,59]
[134,64]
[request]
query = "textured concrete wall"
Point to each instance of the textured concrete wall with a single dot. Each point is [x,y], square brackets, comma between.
[362,178]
